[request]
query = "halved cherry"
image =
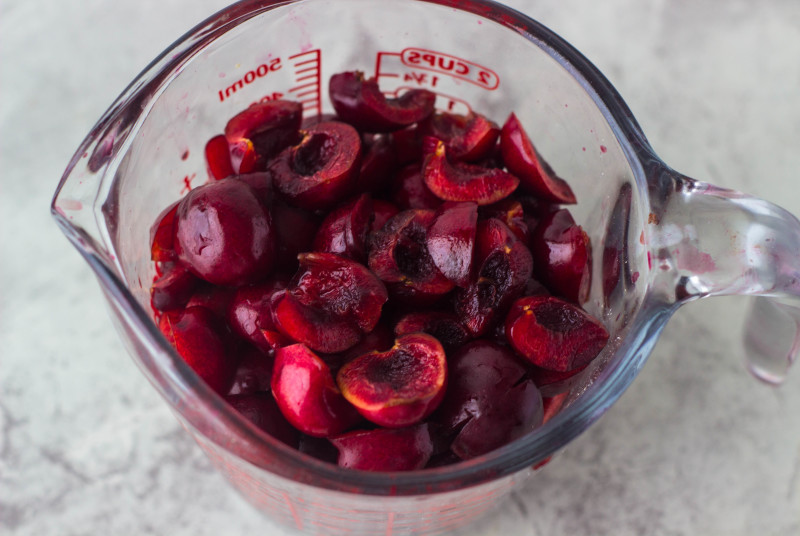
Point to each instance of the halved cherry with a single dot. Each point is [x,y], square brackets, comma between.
[173,289]
[399,256]
[218,158]
[468,138]
[162,237]
[249,315]
[320,170]
[489,401]
[451,240]
[504,266]
[344,231]
[564,256]
[270,126]
[554,334]
[510,212]
[200,339]
[443,326]
[244,158]
[342,287]
[254,373]
[463,182]
[361,103]
[409,190]
[262,410]
[316,328]
[522,159]
[403,449]
[223,233]
[399,387]
[306,394]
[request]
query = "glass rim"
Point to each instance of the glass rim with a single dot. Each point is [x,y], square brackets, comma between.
[175,381]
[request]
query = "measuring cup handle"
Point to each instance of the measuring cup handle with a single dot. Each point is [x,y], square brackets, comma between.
[709,241]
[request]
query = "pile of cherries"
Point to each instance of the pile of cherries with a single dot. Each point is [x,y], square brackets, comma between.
[389,288]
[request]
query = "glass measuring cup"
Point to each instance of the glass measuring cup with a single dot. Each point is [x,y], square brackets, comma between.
[574,101]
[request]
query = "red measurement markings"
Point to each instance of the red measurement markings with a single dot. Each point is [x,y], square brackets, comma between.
[249,77]
[430,60]
[445,102]
[187,183]
[307,68]
[379,63]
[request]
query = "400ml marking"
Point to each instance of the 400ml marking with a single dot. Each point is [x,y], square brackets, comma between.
[250,76]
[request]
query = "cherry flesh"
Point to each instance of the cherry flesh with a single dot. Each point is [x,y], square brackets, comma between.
[341,287]
[503,267]
[321,170]
[554,334]
[454,181]
[318,329]
[399,387]
[399,256]
[269,126]
[467,138]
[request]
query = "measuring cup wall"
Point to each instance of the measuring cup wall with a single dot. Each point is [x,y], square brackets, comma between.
[147,152]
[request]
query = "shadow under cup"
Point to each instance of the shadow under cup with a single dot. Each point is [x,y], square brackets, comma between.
[147,151]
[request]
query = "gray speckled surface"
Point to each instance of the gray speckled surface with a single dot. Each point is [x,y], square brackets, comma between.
[695,446]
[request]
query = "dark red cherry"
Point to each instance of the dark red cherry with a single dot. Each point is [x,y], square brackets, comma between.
[563,256]
[522,159]
[224,234]
[361,103]
[321,170]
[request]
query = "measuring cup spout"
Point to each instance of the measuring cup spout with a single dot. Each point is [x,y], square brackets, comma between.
[709,241]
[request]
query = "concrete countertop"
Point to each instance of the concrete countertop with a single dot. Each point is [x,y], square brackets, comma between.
[695,446]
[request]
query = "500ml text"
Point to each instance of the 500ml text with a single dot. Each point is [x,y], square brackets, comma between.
[249,77]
